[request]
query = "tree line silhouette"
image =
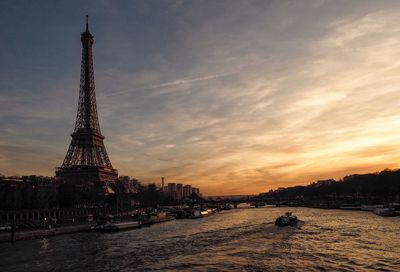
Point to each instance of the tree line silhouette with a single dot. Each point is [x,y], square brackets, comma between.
[377,187]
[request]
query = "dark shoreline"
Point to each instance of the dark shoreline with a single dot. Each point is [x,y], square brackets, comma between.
[40,233]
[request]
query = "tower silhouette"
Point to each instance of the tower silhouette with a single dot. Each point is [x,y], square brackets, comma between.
[86,170]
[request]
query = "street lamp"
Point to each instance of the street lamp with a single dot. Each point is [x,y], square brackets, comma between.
[13,186]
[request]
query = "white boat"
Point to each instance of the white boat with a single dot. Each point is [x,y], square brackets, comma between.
[385,211]
[371,208]
[116,226]
[204,213]
[207,212]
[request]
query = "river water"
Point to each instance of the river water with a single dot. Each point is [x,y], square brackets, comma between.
[243,239]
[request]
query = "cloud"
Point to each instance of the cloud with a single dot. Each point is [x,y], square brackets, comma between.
[232,97]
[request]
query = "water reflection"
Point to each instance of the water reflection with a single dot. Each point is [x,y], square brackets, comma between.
[236,240]
[44,243]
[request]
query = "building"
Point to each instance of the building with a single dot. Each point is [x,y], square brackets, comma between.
[28,192]
[171,187]
[171,190]
[179,191]
[187,191]
[86,171]
[196,191]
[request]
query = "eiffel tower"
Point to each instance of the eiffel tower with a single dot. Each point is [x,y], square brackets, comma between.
[86,171]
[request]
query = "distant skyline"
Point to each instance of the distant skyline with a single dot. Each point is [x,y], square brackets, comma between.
[233,97]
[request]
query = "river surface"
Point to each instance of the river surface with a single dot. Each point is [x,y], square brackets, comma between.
[236,240]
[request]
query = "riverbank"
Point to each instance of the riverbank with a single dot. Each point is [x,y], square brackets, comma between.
[145,219]
[40,233]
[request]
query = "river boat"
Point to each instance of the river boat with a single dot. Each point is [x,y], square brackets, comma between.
[112,226]
[254,204]
[351,208]
[286,220]
[154,217]
[371,208]
[181,214]
[205,213]
[385,211]
[293,204]
[227,207]
[208,212]
[193,214]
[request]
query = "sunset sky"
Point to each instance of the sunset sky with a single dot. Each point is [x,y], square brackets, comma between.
[234,97]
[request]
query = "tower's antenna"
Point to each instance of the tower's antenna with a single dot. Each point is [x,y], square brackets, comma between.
[87,23]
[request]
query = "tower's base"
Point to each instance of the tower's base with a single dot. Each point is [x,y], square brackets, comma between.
[84,185]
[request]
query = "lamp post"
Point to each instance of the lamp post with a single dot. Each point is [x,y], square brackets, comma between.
[13,186]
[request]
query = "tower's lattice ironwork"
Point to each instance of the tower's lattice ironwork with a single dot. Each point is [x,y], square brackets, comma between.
[87,160]
[87,147]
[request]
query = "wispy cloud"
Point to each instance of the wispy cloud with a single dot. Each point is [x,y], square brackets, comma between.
[233,97]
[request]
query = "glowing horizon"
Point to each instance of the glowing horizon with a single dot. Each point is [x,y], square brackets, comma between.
[231,97]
